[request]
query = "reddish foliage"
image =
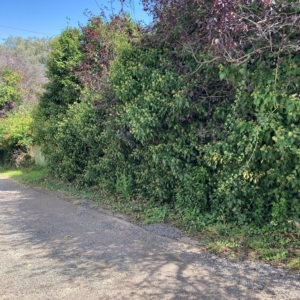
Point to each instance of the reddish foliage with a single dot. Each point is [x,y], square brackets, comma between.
[99,49]
[227,28]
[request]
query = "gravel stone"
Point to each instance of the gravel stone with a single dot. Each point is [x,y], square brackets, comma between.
[164,230]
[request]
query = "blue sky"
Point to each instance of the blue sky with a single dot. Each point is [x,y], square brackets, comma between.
[42,18]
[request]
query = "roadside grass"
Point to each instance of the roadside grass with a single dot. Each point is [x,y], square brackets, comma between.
[27,175]
[280,247]
[276,246]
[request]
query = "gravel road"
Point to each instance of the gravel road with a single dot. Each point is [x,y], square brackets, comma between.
[51,248]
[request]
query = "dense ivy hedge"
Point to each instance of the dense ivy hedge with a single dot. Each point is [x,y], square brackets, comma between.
[159,124]
[216,140]
[256,162]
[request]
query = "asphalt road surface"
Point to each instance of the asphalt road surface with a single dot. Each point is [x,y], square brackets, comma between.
[51,248]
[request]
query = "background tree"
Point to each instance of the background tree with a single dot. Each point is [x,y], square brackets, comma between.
[27,58]
[9,90]
[22,78]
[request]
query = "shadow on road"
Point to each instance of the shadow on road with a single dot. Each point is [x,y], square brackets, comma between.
[58,243]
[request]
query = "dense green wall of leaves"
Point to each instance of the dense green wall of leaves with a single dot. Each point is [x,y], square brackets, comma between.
[217,142]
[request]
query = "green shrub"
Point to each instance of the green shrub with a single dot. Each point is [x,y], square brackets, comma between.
[73,149]
[15,130]
[15,134]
